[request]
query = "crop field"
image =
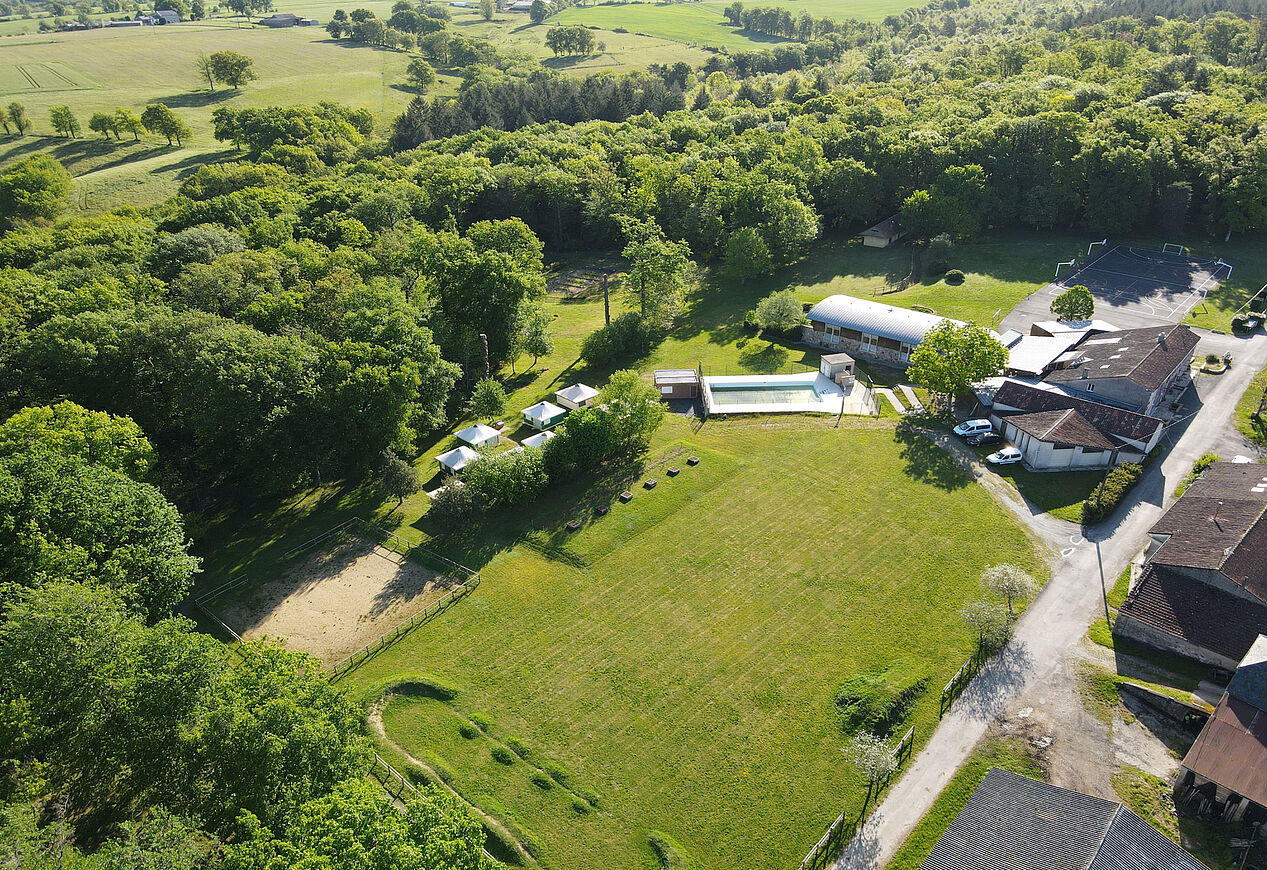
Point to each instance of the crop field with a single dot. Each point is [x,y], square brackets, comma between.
[49,76]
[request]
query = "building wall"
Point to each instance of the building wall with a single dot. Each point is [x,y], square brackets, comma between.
[883,350]
[1111,391]
[1127,626]
[875,242]
[1045,455]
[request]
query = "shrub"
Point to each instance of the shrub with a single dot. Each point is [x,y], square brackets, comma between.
[467,730]
[541,781]
[669,851]
[1106,497]
[1198,468]
[625,337]
[415,685]
[878,701]
[955,276]
[517,746]
[502,755]
[452,505]
[750,321]
[590,796]
[558,773]
[507,479]
[441,770]
[580,807]
[482,723]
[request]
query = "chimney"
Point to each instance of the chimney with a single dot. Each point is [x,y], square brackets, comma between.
[1085,374]
[1161,339]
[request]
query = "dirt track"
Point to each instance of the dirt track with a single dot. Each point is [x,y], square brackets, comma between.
[334,602]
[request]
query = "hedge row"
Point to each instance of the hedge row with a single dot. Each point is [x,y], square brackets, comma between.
[1106,497]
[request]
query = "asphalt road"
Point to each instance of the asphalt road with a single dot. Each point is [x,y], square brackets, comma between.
[1084,567]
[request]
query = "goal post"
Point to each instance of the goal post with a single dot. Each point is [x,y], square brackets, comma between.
[1061,265]
[1091,246]
[1173,248]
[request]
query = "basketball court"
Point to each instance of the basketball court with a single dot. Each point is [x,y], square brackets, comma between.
[1133,287]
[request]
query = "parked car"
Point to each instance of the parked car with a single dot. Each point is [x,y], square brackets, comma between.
[984,438]
[1006,456]
[973,427]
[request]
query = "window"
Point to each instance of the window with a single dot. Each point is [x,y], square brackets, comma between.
[869,343]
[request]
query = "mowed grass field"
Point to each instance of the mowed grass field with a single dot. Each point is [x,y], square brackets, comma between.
[704,24]
[679,656]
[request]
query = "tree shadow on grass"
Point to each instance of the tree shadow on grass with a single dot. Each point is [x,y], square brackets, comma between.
[196,99]
[996,683]
[926,461]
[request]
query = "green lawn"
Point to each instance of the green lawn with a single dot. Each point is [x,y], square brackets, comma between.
[1059,493]
[1009,753]
[1248,404]
[704,24]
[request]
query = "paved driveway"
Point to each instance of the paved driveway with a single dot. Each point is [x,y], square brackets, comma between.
[1084,567]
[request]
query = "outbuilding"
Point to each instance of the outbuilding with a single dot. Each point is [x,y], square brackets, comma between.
[544,415]
[577,396]
[838,367]
[456,459]
[479,435]
[677,383]
[869,329]
[883,234]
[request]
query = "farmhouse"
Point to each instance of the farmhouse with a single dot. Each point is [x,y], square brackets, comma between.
[1225,772]
[869,329]
[1203,593]
[1131,368]
[1056,431]
[883,234]
[161,16]
[1012,822]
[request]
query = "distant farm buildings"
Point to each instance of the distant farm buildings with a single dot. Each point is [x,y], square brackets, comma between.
[287,19]
[883,234]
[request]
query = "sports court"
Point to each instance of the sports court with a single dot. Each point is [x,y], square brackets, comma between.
[1142,287]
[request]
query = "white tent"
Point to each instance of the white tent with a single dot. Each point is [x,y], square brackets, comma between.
[479,435]
[458,458]
[537,440]
[576,396]
[543,415]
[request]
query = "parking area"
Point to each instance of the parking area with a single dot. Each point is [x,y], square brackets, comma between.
[1133,287]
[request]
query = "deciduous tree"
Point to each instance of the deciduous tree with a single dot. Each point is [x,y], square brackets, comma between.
[488,400]
[951,358]
[67,429]
[231,67]
[780,312]
[1010,583]
[64,121]
[1076,303]
[162,121]
[35,187]
[660,272]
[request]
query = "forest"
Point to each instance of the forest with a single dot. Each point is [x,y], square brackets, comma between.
[314,310]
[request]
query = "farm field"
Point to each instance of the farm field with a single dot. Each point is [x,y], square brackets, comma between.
[703,24]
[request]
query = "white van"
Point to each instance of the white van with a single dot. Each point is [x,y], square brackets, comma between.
[972,427]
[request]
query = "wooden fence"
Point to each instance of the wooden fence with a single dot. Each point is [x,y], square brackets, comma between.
[396,785]
[840,833]
[964,675]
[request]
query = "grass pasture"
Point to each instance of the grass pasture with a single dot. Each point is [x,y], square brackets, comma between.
[678,656]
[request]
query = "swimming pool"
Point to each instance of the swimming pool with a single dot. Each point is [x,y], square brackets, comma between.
[765,394]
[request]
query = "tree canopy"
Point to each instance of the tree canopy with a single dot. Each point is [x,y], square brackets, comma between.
[1076,303]
[953,357]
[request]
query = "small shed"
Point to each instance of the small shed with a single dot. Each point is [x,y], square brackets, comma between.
[544,415]
[479,435]
[838,367]
[677,383]
[537,440]
[456,459]
[280,19]
[883,234]
[577,396]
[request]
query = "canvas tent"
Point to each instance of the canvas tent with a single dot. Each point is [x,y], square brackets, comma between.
[479,435]
[537,440]
[456,459]
[544,415]
[577,396]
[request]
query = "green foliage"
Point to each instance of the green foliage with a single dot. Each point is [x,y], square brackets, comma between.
[1106,497]
[518,747]
[879,701]
[536,338]
[162,121]
[1076,303]
[502,755]
[467,730]
[66,429]
[633,407]
[1198,468]
[400,479]
[669,852]
[64,121]
[543,782]
[955,276]
[508,479]
[488,399]
[660,272]
[779,312]
[951,358]
[70,519]
[626,337]
[35,187]
[571,39]
[421,75]
[747,254]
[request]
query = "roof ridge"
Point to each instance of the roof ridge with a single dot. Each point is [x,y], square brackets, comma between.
[1112,820]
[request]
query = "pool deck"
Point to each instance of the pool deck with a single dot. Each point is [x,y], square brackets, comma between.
[831,396]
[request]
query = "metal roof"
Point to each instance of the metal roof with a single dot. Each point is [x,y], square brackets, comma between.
[876,318]
[478,433]
[1232,749]
[544,411]
[1012,822]
[537,440]
[676,376]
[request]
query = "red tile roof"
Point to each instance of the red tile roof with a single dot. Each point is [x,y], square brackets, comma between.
[1232,749]
[1064,427]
